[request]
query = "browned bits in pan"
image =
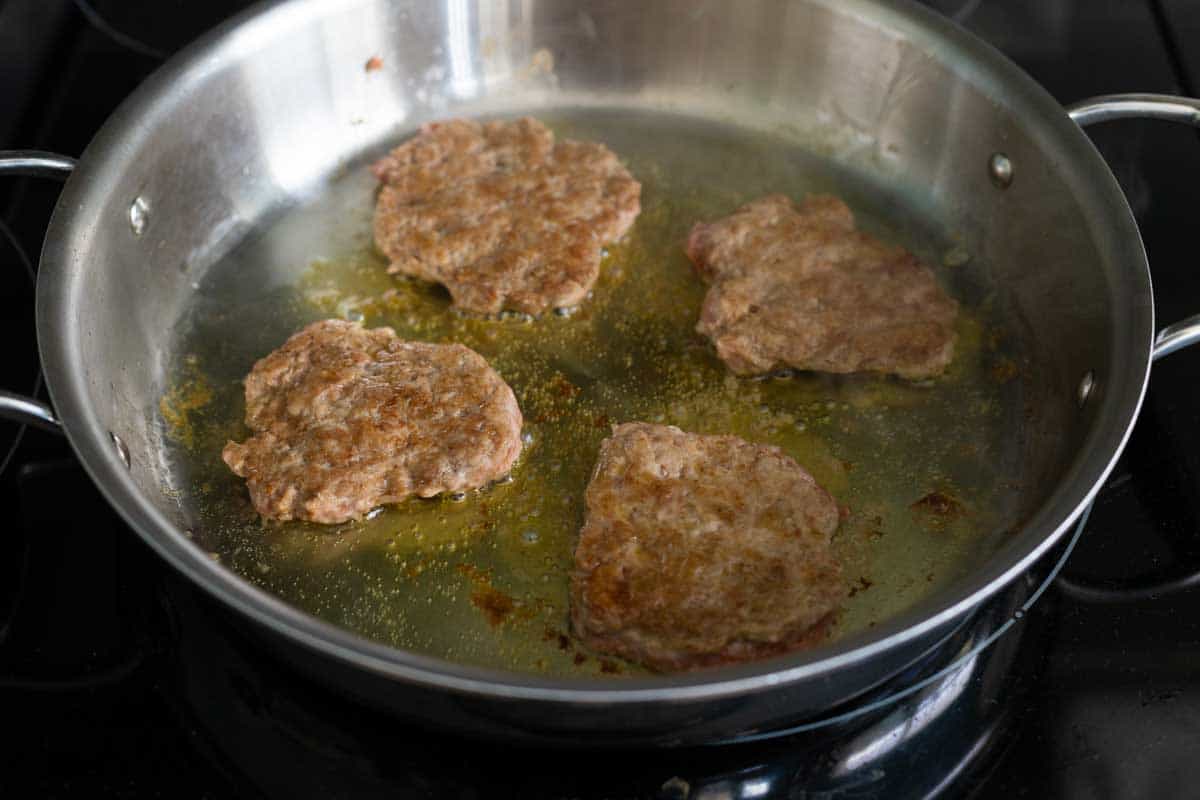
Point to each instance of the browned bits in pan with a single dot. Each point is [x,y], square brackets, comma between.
[494,604]
[861,585]
[937,509]
[1004,370]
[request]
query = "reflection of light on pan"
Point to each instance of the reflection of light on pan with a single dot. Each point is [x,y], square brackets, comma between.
[756,788]
[358,107]
[939,697]
[1127,593]
[969,757]
[461,46]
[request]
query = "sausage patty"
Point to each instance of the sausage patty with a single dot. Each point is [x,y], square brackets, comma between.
[346,419]
[501,214]
[702,550]
[798,286]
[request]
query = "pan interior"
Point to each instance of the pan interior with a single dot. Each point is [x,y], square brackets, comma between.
[483,580]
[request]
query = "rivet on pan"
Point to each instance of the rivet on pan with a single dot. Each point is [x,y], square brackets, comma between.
[122,450]
[1086,384]
[1001,170]
[139,215]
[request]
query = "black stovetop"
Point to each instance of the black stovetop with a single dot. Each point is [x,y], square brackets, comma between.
[97,635]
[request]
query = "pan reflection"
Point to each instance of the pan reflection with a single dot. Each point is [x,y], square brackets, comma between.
[461,44]
[904,724]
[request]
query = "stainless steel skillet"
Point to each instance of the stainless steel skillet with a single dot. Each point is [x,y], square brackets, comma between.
[260,112]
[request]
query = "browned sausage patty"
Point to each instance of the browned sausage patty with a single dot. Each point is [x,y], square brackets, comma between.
[346,419]
[702,550]
[798,286]
[501,214]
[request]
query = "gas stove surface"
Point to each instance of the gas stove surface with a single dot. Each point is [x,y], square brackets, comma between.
[120,680]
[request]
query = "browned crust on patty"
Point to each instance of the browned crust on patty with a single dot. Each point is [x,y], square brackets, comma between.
[702,550]
[346,419]
[798,286]
[501,214]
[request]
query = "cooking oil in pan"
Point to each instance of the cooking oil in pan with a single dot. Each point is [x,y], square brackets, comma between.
[926,471]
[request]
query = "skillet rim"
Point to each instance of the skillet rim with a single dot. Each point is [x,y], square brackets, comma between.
[59,298]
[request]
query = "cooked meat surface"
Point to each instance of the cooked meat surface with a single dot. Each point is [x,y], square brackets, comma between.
[502,214]
[798,286]
[346,419]
[702,550]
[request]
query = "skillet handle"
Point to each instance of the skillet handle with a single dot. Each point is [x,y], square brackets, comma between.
[37,164]
[1186,110]
[1107,108]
